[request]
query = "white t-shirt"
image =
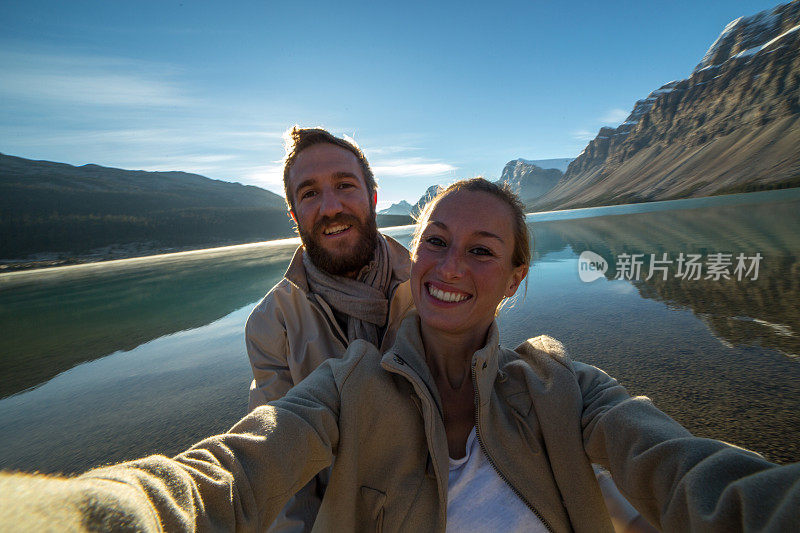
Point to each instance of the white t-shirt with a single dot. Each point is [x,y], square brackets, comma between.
[479,500]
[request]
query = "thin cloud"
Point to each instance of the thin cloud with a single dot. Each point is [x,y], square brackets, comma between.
[266,176]
[90,81]
[60,60]
[190,163]
[412,166]
[254,134]
[614,116]
[91,89]
[227,167]
[389,150]
[154,143]
[122,137]
[582,135]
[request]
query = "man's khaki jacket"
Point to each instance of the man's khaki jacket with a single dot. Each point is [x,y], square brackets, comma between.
[540,419]
[292,330]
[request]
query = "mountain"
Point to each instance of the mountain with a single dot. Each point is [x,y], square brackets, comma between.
[528,180]
[561,163]
[55,207]
[732,126]
[525,177]
[35,187]
[400,208]
[424,199]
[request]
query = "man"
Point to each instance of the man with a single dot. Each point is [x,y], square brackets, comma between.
[345,282]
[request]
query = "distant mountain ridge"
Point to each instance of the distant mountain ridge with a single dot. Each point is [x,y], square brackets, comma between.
[400,208]
[44,186]
[529,180]
[560,163]
[59,208]
[732,126]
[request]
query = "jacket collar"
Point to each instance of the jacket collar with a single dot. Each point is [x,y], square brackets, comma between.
[399,258]
[408,352]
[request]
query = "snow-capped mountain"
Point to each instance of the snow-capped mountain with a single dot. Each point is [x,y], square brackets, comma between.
[746,36]
[560,163]
[528,180]
[400,208]
[424,199]
[732,126]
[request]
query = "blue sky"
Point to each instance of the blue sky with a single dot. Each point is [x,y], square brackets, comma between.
[433,91]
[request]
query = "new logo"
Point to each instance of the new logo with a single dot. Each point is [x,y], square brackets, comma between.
[591,266]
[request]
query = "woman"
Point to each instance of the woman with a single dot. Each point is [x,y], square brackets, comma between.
[405,428]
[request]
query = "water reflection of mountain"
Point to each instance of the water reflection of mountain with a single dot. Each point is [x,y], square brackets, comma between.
[763,312]
[55,319]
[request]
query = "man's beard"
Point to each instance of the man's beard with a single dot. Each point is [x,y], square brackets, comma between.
[348,261]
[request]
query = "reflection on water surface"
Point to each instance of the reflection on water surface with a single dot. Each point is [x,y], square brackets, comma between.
[761,312]
[56,318]
[161,361]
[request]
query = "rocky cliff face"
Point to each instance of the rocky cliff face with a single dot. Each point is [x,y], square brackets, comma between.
[529,180]
[732,126]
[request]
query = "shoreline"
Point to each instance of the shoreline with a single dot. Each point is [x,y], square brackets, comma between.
[111,252]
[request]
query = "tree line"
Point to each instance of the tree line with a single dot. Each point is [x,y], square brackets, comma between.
[22,234]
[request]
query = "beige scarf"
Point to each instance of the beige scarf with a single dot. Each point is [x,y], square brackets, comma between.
[362,302]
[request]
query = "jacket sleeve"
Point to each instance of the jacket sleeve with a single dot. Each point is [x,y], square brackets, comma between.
[237,481]
[267,348]
[268,351]
[680,482]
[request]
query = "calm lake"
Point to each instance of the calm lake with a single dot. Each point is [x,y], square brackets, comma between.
[106,362]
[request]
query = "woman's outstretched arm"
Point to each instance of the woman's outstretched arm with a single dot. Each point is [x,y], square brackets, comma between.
[237,481]
[678,481]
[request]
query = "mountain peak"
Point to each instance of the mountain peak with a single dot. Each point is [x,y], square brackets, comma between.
[732,126]
[749,35]
[560,163]
[528,180]
[400,208]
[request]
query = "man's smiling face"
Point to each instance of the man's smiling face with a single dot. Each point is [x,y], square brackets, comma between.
[332,207]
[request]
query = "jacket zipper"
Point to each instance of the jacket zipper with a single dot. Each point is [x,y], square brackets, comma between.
[491,461]
[424,398]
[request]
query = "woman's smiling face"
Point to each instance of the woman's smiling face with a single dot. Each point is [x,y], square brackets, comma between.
[462,265]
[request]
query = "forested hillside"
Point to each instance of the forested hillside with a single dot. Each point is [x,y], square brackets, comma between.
[54,207]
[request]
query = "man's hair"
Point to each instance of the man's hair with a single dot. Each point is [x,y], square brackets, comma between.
[297,139]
